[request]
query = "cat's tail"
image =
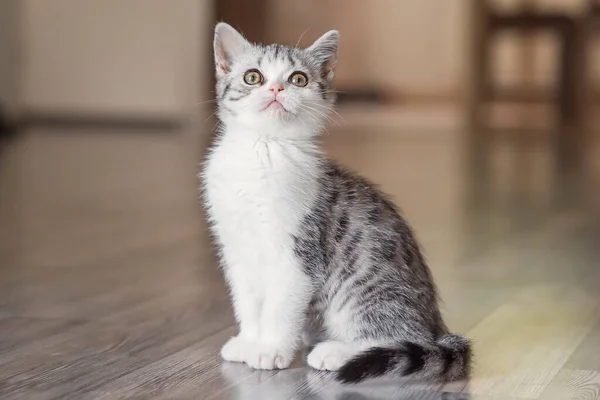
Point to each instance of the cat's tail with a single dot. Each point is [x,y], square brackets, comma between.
[447,360]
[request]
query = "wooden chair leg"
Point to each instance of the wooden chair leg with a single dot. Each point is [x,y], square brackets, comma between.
[570,135]
[7,130]
[477,162]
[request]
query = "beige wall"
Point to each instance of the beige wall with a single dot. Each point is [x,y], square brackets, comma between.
[421,43]
[114,57]
[151,57]
[384,42]
[411,46]
[9,45]
[408,46]
[573,6]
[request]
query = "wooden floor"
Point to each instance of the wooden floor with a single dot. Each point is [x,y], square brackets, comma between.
[109,287]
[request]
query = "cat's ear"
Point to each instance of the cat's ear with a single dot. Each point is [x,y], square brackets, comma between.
[324,50]
[228,45]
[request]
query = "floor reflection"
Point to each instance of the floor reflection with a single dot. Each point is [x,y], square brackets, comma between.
[301,383]
[517,179]
[109,285]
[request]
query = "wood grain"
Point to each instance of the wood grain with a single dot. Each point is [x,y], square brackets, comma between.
[574,385]
[546,325]
[109,286]
[587,354]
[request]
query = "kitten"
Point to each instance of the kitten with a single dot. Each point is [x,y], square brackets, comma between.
[310,250]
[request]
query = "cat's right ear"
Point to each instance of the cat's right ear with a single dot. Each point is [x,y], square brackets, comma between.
[228,45]
[324,50]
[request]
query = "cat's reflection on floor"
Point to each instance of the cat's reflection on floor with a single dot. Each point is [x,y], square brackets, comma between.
[303,383]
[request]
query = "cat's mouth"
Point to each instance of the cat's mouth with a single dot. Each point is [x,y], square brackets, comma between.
[275,105]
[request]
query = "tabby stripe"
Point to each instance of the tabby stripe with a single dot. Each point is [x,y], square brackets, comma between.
[351,280]
[416,358]
[228,110]
[241,96]
[351,284]
[225,90]
[322,90]
[342,226]
[448,357]
[345,272]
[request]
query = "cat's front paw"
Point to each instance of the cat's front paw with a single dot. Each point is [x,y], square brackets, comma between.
[236,349]
[266,357]
[256,355]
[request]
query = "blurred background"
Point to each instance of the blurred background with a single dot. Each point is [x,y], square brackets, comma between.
[479,117]
[522,71]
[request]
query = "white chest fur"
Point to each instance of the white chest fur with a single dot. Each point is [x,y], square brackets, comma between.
[257,191]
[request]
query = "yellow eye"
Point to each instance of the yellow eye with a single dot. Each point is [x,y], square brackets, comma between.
[253,77]
[298,79]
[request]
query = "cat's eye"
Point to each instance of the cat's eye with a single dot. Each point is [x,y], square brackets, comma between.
[253,77]
[298,79]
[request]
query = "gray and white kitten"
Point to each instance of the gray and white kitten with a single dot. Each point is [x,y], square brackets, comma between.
[310,250]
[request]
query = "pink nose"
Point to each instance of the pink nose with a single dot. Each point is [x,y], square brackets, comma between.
[277,88]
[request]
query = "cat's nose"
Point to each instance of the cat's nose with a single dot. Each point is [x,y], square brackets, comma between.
[278,87]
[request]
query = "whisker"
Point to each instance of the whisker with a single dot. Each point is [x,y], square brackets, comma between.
[301,36]
[217,126]
[323,114]
[332,109]
[313,118]
[207,101]
[207,118]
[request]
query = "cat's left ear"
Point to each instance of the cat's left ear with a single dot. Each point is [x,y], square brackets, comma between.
[324,50]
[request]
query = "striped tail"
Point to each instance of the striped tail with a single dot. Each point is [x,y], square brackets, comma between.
[447,360]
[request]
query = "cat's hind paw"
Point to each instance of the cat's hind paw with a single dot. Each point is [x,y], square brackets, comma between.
[330,356]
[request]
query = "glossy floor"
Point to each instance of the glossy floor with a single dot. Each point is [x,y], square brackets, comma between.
[109,287]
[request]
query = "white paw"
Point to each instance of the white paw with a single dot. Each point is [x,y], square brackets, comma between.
[265,357]
[236,349]
[330,356]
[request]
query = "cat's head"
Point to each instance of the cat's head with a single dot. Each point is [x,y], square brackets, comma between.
[274,85]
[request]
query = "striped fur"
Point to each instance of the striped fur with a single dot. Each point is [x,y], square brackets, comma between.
[311,250]
[373,284]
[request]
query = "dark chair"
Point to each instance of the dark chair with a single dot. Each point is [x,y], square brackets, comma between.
[566,28]
[568,95]
[7,129]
